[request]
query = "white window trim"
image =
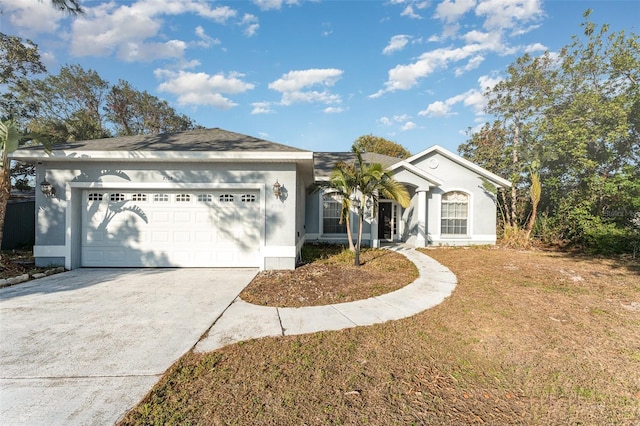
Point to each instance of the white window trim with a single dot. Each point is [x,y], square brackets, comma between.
[321,217]
[469,234]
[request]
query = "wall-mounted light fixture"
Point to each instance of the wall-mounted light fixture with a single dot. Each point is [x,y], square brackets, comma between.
[277,189]
[47,189]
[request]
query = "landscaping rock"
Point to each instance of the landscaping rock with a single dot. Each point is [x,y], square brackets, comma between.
[38,275]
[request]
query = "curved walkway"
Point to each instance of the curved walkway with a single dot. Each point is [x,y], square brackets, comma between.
[244,321]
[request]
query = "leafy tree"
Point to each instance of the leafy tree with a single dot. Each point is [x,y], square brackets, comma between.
[19,60]
[135,113]
[70,104]
[370,143]
[577,115]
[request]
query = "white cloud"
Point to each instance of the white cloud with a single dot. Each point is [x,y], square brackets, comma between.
[131,30]
[408,12]
[404,77]
[33,16]
[472,98]
[471,65]
[397,42]
[450,11]
[385,121]
[261,108]
[409,125]
[292,86]
[503,14]
[205,39]
[201,88]
[251,22]
[333,110]
[273,4]
[535,47]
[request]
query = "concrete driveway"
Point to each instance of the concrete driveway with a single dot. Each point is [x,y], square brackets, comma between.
[83,347]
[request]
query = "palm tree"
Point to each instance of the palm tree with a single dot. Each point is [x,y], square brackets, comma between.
[371,181]
[341,185]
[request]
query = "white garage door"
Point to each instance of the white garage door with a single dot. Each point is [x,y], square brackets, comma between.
[171,228]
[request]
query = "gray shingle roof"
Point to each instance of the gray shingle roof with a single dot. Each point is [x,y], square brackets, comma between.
[216,140]
[326,161]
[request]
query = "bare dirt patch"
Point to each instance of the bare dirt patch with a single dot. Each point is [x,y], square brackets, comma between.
[17,262]
[331,277]
[520,341]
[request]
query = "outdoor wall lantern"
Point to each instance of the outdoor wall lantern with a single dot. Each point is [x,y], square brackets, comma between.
[47,189]
[277,189]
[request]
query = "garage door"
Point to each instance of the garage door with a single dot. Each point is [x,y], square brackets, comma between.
[171,228]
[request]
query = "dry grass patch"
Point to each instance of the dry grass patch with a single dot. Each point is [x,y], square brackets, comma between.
[329,276]
[525,338]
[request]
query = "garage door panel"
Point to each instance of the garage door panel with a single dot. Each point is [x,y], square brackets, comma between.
[171,229]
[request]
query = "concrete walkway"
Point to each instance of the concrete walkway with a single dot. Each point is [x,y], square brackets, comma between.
[245,321]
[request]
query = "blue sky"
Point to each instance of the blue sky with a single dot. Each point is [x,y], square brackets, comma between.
[313,74]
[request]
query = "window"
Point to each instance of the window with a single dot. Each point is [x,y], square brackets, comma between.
[138,197]
[331,209]
[226,198]
[117,197]
[205,198]
[183,198]
[94,196]
[455,213]
[161,198]
[248,198]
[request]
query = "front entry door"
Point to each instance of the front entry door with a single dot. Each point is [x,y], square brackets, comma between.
[385,221]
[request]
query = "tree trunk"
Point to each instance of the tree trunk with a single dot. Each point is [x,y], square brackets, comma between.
[536,192]
[359,243]
[5,191]
[514,159]
[349,232]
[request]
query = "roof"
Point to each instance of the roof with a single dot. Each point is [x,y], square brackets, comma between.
[326,161]
[216,139]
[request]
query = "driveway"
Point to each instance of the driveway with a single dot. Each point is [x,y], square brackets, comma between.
[83,347]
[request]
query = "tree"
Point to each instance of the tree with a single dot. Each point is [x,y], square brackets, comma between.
[136,113]
[577,115]
[9,138]
[370,143]
[70,6]
[71,103]
[19,60]
[341,185]
[371,181]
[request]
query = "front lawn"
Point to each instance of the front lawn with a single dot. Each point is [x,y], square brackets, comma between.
[526,338]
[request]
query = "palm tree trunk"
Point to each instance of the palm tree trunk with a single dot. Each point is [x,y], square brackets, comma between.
[359,244]
[5,192]
[349,232]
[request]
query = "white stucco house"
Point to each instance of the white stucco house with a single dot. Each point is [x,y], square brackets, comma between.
[214,198]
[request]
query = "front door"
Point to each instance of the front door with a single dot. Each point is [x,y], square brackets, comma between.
[385,221]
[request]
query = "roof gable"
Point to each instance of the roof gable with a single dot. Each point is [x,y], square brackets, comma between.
[497,180]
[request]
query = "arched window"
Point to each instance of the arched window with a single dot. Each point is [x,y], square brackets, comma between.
[454,213]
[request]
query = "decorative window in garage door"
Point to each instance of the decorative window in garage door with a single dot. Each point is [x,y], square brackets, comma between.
[183,198]
[248,198]
[95,196]
[138,197]
[161,198]
[117,197]
[226,198]
[205,198]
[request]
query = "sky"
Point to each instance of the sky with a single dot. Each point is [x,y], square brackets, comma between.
[315,75]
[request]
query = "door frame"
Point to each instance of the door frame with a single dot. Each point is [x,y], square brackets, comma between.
[395,222]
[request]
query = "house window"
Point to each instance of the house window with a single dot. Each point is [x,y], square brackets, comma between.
[248,198]
[331,209]
[138,197]
[183,198]
[455,213]
[161,198]
[94,196]
[205,198]
[117,197]
[226,198]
